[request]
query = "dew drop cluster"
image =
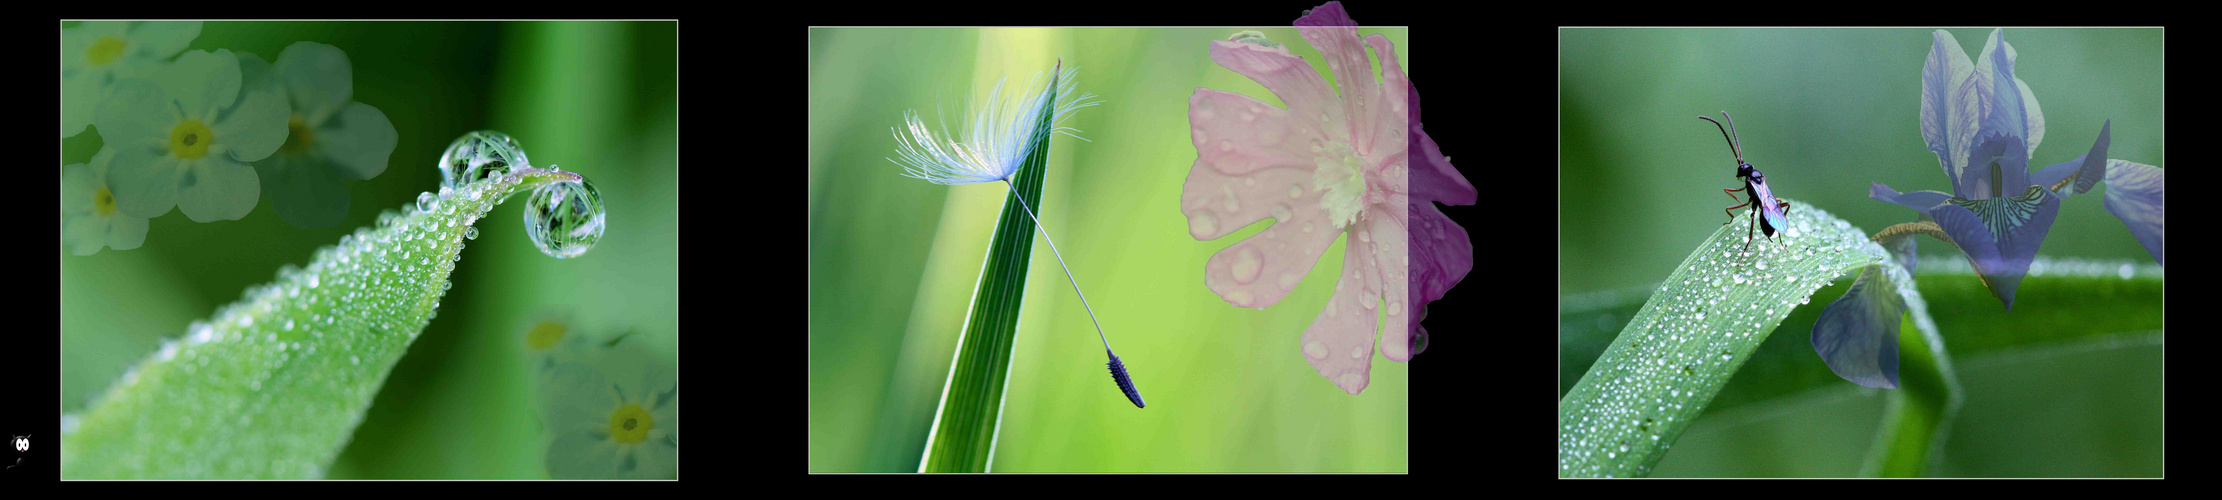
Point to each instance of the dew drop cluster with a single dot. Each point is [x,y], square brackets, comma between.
[294,361]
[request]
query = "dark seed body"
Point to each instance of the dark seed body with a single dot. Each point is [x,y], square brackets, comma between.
[1126,384]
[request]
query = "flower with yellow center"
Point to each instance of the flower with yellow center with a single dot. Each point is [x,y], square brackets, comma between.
[330,139]
[97,54]
[89,216]
[630,424]
[604,429]
[184,136]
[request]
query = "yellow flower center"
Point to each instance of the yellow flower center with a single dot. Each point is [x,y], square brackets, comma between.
[104,203]
[544,335]
[105,50]
[630,424]
[297,137]
[189,139]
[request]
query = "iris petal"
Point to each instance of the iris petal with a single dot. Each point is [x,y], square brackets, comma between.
[2135,194]
[1857,335]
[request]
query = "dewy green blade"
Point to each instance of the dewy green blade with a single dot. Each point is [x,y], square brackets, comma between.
[272,386]
[1016,151]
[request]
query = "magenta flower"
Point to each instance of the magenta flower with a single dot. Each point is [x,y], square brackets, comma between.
[1324,167]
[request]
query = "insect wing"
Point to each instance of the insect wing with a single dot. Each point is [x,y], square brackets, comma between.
[1771,217]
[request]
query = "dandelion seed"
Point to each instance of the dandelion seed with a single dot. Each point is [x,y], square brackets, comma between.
[1001,138]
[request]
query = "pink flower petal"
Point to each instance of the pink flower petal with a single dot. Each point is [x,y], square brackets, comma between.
[1331,30]
[1237,134]
[1258,271]
[1311,103]
[1381,237]
[1339,342]
[1441,256]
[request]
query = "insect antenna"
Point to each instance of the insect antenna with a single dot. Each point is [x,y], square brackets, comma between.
[1734,142]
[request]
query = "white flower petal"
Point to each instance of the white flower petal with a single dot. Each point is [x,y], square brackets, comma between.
[317,77]
[358,140]
[201,81]
[254,129]
[218,189]
[160,40]
[136,113]
[144,181]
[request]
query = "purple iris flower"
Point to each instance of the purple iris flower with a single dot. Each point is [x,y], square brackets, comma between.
[1984,125]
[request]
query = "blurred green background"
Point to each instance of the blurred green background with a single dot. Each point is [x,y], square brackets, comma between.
[598,98]
[1830,111]
[893,262]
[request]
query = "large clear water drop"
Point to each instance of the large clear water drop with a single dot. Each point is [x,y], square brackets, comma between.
[565,218]
[479,155]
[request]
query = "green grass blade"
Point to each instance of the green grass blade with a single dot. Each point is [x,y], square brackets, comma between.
[1704,322]
[2074,304]
[963,435]
[272,386]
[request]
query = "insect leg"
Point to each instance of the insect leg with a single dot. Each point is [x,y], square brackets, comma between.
[1754,227]
[1732,212]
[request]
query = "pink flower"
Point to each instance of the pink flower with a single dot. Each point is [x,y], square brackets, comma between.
[1326,166]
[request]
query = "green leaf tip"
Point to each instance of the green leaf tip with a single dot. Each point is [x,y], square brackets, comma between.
[1700,326]
[272,386]
[963,436]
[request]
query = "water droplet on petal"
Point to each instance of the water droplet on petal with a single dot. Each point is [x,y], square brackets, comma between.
[1202,224]
[1247,262]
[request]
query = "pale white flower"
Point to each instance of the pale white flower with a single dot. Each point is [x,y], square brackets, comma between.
[97,54]
[615,418]
[90,219]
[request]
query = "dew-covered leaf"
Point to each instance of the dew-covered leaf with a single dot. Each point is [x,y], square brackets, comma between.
[272,386]
[1697,329]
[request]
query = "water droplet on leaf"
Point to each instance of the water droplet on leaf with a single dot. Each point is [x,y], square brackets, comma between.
[480,155]
[565,219]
